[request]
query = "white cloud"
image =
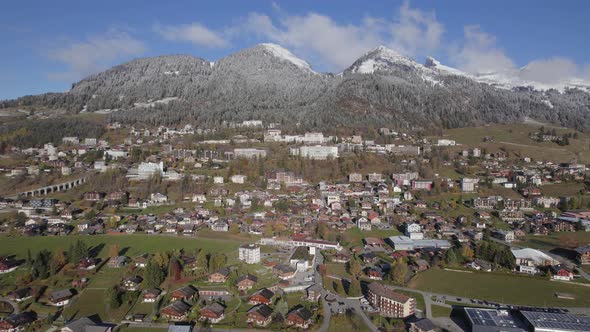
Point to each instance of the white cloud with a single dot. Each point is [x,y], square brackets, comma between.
[415,31]
[551,70]
[194,33]
[94,54]
[478,53]
[337,45]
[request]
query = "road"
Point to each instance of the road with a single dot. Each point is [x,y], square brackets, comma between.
[351,304]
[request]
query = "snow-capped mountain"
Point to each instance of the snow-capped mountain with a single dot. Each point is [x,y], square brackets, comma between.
[267,81]
[382,59]
[508,79]
[284,54]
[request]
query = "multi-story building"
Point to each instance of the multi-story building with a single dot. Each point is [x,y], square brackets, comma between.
[390,303]
[147,170]
[355,177]
[422,185]
[318,152]
[249,153]
[249,253]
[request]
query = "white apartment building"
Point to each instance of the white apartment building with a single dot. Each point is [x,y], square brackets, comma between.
[249,253]
[147,170]
[318,152]
[249,153]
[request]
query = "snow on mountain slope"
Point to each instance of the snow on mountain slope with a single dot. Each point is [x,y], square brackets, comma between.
[508,79]
[382,58]
[438,67]
[284,54]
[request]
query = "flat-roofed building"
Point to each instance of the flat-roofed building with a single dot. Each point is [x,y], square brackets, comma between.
[492,320]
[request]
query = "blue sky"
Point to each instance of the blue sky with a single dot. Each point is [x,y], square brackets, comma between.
[47,45]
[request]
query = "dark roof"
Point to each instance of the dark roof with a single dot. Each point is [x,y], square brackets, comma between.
[262,309]
[61,294]
[301,312]
[22,318]
[187,290]
[223,271]
[425,324]
[20,293]
[215,307]
[248,276]
[583,250]
[79,325]
[265,292]
[179,306]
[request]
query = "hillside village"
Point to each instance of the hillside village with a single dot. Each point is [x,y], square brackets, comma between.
[266,227]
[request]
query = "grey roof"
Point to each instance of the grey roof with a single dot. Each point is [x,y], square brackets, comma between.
[425,325]
[61,294]
[180,328]
[552,321]
[79,325]
[493,318]
[262,309]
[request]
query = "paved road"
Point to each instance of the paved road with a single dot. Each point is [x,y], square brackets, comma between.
[351,304]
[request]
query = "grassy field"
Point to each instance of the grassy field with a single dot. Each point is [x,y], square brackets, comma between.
[501,288]
[418,296]
[555,240]
[341,323]
[136,244]
[440,311]
[355,236]
[562,189]
[142,329]
[514,138]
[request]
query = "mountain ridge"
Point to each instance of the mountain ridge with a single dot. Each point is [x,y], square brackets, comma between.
[267,81]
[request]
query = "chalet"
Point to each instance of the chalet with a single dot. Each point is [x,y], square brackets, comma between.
[87,263]
[299,317]
[370,258]
[92,196]
[189,262]
[422,325]
[582,255]
[132,283]
[260,315]
[220,226]
[284,271]
[559,272]
[116,196]
[18,321]
[246,282]
[151,295]
[261,296]
[20,294]
[506,236]
[480,265]
[341,257]
[421,265]
[86,324]
[177,311]
[185,293]
[213,313]
[117,262]
[61,297]
[8,265]
[375,273]
[219,276]
[141,261]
